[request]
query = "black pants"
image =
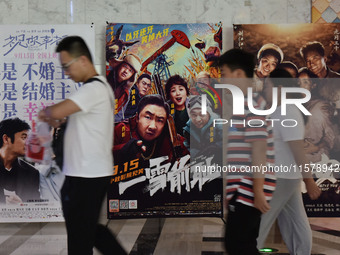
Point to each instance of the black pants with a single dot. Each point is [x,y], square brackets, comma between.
[82,199]
[242,229]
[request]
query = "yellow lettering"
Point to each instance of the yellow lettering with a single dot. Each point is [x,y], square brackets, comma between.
[143,32]
[166,32]
[159,35]
[135,34]
[150,28]
[151,37]
[144,39]
[128,37]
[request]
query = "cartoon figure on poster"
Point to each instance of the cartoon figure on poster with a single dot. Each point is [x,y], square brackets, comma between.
[151,68]
[309,52]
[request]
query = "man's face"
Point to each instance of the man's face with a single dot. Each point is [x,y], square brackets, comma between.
[144,86]
[71,66]
[178,95]
[151,121]
[18,146]
[199,119]
[125,72]
[267,64]
[315,62]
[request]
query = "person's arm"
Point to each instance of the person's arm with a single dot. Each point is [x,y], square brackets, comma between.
[54,113]
[297,149]
[258,155]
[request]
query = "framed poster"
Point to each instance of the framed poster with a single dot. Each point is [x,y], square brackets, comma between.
[153,69]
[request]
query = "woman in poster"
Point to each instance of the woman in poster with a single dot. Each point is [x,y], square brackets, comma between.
[269,57]
[177,92]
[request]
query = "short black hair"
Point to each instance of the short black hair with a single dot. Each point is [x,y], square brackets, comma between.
[144,75]
[281,77]
[12,126]
[175,79]
[238,59]
[290,65]
[154,99]
[75,46]
[312,46]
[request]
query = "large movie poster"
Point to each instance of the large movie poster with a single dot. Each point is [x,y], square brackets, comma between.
[159,74]
[311,53]
[31,78]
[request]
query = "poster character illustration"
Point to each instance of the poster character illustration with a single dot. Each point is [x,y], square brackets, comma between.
[310,52]
[153,69]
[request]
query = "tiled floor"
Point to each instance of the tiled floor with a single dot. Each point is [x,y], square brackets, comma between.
[155,236]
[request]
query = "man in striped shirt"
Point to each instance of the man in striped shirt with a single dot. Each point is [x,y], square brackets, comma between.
[248,191]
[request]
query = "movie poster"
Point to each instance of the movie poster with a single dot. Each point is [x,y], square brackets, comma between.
[311,53]
[160,75]
[31,78]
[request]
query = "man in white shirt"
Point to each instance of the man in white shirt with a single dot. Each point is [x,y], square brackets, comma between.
[87,150]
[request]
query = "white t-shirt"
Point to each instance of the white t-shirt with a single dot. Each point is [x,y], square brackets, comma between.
[282,135]
[89,132]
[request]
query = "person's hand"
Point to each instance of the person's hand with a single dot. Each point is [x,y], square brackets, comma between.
[261,203]
[312,189]
[13,199]
[44,117]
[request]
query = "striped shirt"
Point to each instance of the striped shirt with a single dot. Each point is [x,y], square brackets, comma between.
[245,129]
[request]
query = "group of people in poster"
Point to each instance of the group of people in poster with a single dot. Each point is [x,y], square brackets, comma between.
[322,127]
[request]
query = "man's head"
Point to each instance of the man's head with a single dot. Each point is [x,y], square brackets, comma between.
[177,91]
[75,58]
[290,67]
[314,55]
[128,68]
[13,133]
[195,111]
[236,63]
[152,114]
[269,57]
[144,84]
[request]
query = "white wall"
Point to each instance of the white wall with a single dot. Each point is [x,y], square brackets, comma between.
[153,11]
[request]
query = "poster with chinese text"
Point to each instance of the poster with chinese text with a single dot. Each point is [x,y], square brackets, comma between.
[31,78]
[154,71]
